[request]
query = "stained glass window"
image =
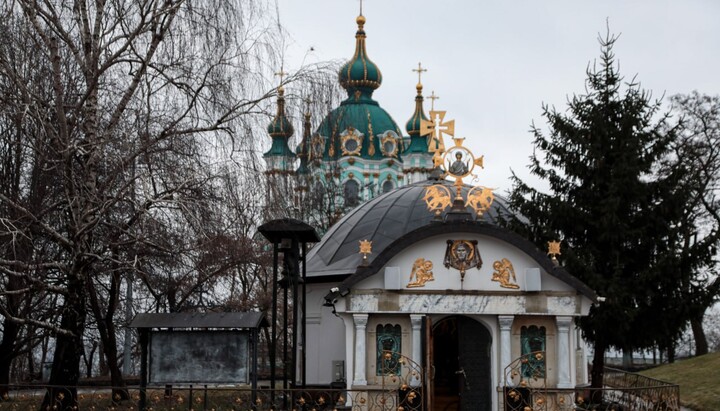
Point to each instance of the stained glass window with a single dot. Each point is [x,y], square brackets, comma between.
[532,340]
[389,340]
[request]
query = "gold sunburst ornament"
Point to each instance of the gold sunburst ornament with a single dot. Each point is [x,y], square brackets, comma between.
[554,250]
[365,249]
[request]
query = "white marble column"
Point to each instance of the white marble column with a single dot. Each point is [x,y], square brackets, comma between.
[563,351]
[360,321]
[416,322]
[505,341]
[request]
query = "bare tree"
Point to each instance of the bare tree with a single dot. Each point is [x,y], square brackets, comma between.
[114,105]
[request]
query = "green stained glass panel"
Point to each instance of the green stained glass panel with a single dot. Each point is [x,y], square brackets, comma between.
[389,343]
[532,341]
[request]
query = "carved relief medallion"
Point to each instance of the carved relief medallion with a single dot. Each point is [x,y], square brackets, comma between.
[462,255]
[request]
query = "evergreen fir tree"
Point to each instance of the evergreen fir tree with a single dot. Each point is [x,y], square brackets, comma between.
[606,202]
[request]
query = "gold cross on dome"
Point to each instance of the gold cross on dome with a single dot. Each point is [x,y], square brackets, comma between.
[432,97]
[419,70]
[435,128]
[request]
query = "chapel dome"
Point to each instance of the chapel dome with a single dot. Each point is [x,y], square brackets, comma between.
[360,72]
[384,220]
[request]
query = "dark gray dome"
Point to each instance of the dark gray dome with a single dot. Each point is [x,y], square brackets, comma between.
[383,220]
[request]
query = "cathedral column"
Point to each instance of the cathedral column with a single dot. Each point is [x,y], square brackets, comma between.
[505,340]
[416,322]
[360,321]
[563,354]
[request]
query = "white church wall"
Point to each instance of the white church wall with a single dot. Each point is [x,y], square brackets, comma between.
[325,337]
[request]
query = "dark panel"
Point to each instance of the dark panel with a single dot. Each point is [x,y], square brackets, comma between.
[199,357]
[474,358]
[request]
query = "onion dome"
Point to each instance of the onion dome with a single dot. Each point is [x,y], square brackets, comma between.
[280,130]
[359,114]
[360,74]
[418,143]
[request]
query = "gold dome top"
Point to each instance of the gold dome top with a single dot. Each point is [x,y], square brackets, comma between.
[360,20]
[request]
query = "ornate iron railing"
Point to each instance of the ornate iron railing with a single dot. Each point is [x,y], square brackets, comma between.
[400,389]
[526,389]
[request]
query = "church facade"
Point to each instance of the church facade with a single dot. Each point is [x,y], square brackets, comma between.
[419,269]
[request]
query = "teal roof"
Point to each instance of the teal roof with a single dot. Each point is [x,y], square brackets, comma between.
[360,77]
[360,73]
[280,129]
[418,143]
[365,116]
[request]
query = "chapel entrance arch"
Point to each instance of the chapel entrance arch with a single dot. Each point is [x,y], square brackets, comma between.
[461,365]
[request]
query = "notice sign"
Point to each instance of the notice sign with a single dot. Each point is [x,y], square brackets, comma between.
[199,357]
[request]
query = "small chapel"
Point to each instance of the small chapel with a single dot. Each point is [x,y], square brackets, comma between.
[418,290]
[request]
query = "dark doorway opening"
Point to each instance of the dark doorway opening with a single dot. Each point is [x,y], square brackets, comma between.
[461,364]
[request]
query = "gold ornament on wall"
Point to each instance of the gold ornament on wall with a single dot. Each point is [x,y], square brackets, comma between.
[462,255]
[505,274]
[421,273]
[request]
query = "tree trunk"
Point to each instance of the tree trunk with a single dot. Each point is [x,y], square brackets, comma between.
[7,352]
[65,373]
[701,344]
[598,372]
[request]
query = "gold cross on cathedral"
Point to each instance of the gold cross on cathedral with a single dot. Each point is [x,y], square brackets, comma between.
[281,74]
[419,70]
[432,97]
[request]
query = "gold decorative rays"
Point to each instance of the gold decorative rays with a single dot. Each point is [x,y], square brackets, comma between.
[365,249]
[554,250]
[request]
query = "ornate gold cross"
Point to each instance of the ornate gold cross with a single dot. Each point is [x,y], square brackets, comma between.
[435,128]
[419,70]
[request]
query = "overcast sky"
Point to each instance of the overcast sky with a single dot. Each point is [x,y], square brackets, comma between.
[494,64]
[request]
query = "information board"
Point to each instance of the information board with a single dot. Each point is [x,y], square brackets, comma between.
[199,357]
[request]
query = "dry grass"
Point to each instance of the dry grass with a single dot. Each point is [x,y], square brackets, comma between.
[699,380]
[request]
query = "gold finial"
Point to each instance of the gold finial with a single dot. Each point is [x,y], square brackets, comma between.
[365,249]
[554,250]
[432,98]
[419,70]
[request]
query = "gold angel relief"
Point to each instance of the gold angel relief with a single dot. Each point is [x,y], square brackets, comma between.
[421,273]
[505,274]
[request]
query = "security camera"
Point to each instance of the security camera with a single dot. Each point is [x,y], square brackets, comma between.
[334,290]
[601,299]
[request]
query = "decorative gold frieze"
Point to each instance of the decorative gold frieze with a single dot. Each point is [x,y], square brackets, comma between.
[421,273]
[505,274]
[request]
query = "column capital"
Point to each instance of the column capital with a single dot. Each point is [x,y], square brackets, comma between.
[506,321]
[360,320]
[563,322]
[416,320]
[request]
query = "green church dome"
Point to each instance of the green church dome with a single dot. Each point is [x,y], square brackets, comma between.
[359,117]
[280,129]
[418,143]
[360,73]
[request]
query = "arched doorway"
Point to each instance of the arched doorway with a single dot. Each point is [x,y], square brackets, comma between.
[461,364]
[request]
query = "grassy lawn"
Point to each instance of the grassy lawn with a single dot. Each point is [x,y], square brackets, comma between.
[699,380]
